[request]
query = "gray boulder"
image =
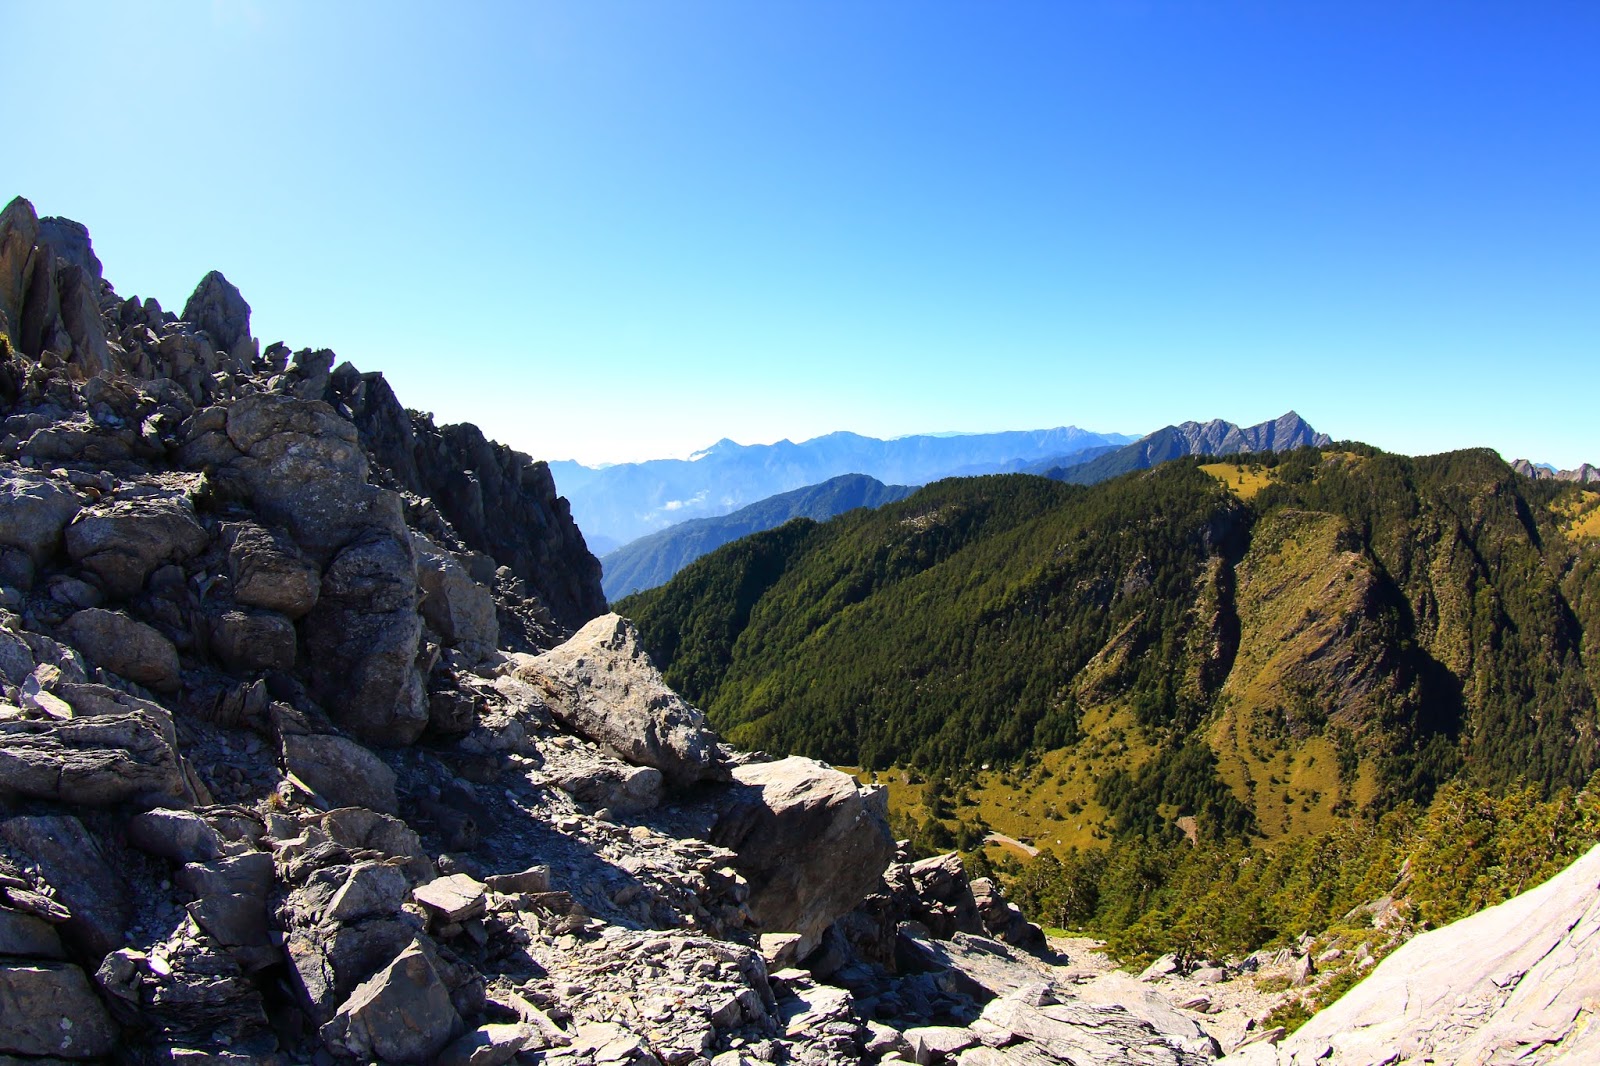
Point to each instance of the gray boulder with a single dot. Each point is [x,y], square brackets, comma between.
[351,893]
[34,510]
[269,571]
[123,542]
[96,760]
[181,836]
[365,632]
[458,608]
[330,959]
[341,772]
[251,641]
[96,898]
[602,685]
[305,470]
[28,936]
[49,1008]
[403,1013]
[811,842]
[115,642]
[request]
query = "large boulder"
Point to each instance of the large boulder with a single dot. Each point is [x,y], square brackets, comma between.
[1515,983]
[251,641]
[602,685]
[809,839]
[97,759]
[217,307]
[115,642]
[341,771]
[458,608]
[98,900]
[49,1008]
[362,638]
[305,469]
[269,570]
[34,510]
[403,1013]
[123,542]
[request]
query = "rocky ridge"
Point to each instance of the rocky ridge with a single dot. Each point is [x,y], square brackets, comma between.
[316,745]
[1584,473]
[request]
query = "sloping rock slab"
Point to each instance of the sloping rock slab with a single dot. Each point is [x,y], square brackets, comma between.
[603,686]
[1518,982]
[103,759]
[50,1009]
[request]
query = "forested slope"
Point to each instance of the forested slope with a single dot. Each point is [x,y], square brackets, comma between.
[1350,631]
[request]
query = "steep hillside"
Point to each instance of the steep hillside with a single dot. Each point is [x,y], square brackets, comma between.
[1273,642]
[653,560]
[1192,438]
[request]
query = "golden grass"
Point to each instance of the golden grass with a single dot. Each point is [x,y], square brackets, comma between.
[1582,513]
[1244,481]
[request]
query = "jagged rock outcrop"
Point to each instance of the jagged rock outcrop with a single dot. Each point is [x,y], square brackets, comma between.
[217,307]
[1584,473]
[1515,983]
[487,500]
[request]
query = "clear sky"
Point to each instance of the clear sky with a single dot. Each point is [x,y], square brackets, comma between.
[612,231]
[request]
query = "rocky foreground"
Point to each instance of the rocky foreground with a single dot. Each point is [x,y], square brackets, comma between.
[317,745]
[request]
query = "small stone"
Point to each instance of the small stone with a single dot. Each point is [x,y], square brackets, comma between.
[454,898]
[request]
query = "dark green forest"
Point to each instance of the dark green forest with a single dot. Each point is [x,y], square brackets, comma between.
[957,627]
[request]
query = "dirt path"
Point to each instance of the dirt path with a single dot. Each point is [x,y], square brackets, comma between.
[1011,842]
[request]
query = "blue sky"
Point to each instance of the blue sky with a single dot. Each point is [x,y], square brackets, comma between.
[612,231]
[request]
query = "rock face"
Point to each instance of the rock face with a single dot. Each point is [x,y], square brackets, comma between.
[1584,473]
[1514,983]
[603,684]
[488,499]
[34,510]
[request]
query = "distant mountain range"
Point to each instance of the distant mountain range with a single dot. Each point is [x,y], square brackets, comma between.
[654,558]
[1216,437]
[616,504]
[1585,473]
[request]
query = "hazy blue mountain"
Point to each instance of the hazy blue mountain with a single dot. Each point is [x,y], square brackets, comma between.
[1216,437]
[654,558]
[617,504]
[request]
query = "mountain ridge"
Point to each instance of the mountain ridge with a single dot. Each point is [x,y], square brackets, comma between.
[624,501]
[653,559]
[1216,437]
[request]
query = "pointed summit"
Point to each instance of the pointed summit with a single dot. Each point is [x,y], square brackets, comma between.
[217,306]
